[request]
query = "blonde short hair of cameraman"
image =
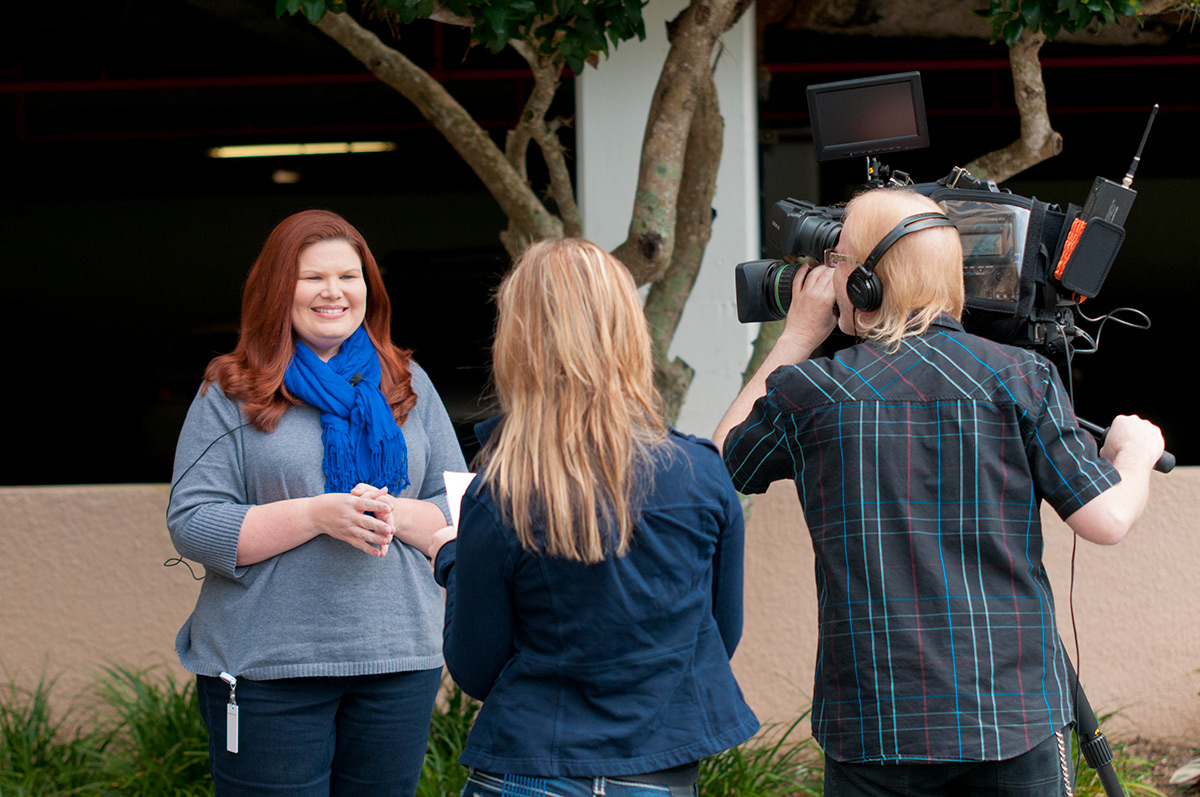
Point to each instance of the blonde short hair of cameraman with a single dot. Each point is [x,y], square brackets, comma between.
[922,274]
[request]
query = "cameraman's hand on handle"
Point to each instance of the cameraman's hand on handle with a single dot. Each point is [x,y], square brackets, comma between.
[1134,440]
[1133,446]
[809,321]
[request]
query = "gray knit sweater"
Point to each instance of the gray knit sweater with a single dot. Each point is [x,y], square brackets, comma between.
[324,607]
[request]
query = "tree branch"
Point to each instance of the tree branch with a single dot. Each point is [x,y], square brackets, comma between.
[547,73]
[1038,139]
[447,17]
[516,143]
[562,188]
[518,201]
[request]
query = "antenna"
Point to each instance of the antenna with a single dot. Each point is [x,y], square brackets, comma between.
[1128,181]
[1110,201]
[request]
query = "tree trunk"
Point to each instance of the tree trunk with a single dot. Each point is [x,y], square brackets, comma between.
[1038,139]
[650,245]
[694,214]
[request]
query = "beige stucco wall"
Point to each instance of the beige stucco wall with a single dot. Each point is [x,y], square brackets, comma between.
[82,583]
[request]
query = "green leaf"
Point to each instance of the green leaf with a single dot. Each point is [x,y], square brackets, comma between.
[997,28]
[575,53]
[574,63]
[493,32]
[406,13]
[521,8]
[288,6]
[1032,14]
[313,9]
[639,29]
[589,32]
[1012,31]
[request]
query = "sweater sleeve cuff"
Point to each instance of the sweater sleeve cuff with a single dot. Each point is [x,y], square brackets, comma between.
[213,534]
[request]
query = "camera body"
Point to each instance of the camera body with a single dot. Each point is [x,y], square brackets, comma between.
[1026,264]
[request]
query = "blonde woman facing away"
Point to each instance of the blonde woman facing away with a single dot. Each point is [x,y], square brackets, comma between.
[594,591]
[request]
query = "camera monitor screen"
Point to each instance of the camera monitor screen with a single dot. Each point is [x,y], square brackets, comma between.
[868,116]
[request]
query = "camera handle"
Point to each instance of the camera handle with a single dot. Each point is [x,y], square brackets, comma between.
[1092,743]
[1165,464]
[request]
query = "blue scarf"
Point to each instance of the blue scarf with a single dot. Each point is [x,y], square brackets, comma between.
[362,441]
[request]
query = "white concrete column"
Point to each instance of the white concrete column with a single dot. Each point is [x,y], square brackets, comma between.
[612,102]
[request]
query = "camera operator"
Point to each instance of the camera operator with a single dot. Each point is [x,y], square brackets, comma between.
[921,457]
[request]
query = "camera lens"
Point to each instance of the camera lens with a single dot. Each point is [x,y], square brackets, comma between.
[817,234]
[778,286]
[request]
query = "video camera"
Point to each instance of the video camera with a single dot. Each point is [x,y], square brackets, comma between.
[1027,264]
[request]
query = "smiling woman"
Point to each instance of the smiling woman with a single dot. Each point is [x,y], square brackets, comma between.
[305,451]
[331,296]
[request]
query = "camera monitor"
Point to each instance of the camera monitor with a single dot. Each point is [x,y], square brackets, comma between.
[868,116]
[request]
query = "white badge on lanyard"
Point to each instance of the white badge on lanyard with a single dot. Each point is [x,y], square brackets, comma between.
[231,714]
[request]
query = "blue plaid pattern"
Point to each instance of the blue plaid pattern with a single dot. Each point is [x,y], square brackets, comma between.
[921,472]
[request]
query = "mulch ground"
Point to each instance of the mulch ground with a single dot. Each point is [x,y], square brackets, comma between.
[1165,757]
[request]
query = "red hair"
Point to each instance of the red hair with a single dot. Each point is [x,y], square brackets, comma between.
[252,374]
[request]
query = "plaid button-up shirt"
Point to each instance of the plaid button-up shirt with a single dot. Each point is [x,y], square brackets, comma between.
[921,472]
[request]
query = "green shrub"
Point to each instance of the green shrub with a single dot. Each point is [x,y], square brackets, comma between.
[160,743]
[775,763]
[145,737]
[37,755]
[1135,774]
[452,719]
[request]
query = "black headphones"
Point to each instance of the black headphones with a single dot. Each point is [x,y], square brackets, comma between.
[863,288]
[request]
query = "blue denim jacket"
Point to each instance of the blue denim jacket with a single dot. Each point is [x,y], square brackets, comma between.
[615,668]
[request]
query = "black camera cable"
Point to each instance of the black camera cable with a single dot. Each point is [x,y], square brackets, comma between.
[179,560]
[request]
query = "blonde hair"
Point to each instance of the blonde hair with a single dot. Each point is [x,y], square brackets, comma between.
[922,273]
[575,377]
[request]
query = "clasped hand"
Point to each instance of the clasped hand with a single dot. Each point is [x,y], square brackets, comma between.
[344,516]
[410,520]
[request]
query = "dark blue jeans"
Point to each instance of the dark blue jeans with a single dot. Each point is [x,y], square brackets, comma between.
[1041,772]
[484,784]
[356,735]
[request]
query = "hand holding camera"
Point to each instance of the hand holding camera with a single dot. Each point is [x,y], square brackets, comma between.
[812,316]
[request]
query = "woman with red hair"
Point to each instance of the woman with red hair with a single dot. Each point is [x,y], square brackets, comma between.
[316,637]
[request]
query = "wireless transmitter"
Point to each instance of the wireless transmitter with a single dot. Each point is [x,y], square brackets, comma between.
[1110,201]
[1096,233]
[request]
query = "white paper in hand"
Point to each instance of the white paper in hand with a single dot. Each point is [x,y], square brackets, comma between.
[456,486]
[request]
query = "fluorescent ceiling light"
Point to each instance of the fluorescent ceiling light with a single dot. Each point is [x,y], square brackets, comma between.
[284,150]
